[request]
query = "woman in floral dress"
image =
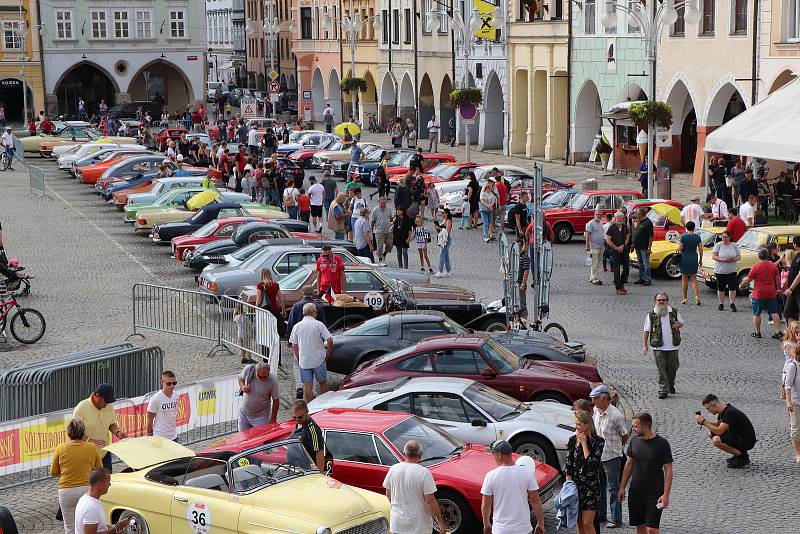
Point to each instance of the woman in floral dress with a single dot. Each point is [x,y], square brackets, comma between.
[583,467]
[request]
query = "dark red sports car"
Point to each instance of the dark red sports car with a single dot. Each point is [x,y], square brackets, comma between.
[476,357]
[363,444]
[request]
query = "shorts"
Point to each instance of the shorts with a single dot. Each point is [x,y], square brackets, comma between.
[316,211]
[768,305]
[726,282]
[642,509]
[731,439]
[307,376]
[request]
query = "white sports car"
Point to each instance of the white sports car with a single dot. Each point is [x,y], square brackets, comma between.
[472,412]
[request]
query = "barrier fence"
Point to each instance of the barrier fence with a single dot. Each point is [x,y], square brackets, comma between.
[36,181]
[206,409]
[61,382]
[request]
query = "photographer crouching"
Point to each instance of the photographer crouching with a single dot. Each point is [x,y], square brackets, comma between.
[732,432]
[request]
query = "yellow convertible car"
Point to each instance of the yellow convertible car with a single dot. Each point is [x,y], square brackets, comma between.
[663,258]
[273,488]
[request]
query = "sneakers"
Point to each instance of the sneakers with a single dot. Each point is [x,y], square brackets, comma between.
[438,275]
[597,282]
[446,274]
[733,307]
[721,307]
[663,395]
[738,462]
[770,322]
[611,524]
[430,271]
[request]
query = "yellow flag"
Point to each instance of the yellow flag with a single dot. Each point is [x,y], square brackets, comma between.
[486,12]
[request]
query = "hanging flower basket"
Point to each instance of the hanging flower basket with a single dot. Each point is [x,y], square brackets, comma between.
[472,95]
[354,84]
[660,113]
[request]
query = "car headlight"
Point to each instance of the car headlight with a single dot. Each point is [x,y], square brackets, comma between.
[324,530]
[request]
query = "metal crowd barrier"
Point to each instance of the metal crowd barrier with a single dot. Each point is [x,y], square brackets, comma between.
[61,382]
[252,330]
[36,181]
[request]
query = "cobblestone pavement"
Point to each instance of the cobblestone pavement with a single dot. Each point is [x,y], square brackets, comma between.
[86,259]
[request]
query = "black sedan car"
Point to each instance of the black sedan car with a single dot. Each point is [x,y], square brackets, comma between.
[397,330]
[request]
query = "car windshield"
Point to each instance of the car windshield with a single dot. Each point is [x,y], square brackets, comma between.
[657,219]
[255,261]
[400,160]
[157,188]
[374,155]
[503,360]
[498,405]
[205,230]
[295,279]
[338,145]
[91,134]
[436,444]
[305,139]
[754,240]
[706,237]
[443,170]
[163,199]
[558,198]
[245,252]
[578,201]
[268,465]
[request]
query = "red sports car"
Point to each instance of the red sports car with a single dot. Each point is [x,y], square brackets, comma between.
[661,224]
[401,162]
[572,219]
[169,133]
[363,444]
[476,357]
[445,172]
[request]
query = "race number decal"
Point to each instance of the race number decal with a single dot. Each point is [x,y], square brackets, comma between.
[199,517]
[672,235]
[374,300]
[243,461]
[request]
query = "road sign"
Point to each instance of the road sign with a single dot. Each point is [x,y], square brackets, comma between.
[274,86]
[468,111]
[273,75]
[249,107]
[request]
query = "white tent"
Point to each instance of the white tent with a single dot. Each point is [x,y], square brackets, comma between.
[769,130]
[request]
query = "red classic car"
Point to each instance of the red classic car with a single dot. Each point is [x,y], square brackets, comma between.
[402,161]
[363,444]
[169,133]
[661,225]
[476,357]
[444,172]
[304,156]
[572,219]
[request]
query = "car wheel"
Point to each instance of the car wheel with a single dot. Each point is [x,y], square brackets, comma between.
[739,280]
[537,447]
[495,325]
[457,515]
[551,396]
[563,233]
[557,332]
[671,267]
[7,524]
[140,526]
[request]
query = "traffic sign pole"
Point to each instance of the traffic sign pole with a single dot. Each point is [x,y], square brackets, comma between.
[468,111]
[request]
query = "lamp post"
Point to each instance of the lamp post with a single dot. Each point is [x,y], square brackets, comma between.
[650,26]
[351,26]
[271,29]
[464,40]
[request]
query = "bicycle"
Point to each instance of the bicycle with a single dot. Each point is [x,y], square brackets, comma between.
[5,159]
[26,325]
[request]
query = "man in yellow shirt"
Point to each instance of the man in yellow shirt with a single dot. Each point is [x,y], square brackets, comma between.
[97,415]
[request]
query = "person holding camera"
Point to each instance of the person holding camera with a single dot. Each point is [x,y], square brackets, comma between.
[732,432]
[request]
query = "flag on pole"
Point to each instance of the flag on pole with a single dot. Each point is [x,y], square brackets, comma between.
[329,295]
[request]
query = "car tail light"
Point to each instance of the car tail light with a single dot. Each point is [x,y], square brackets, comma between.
[141,222]
[212,286]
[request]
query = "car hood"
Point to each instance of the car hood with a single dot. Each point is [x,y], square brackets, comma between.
[558,212]
[290,147]
[444,188]
[440,292]
[304,153]
[540,368]
[474,462]
[139,453]
[553,413]
[663,247]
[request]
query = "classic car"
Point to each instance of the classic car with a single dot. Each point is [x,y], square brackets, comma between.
[106,155]
[292,170]
[363,171]
[476,357]
[327,157]
[388,290]
[135,185]
[177,198]
[304,157]
[309,140]
[444,172]
[662,253]
[32,143]
[78,136]
[749,244]
[239,230]
[121,166]
[662,227]
[364,444]
[166,487]
[341,168]
[233,252]
[572,218]
[73,154]
[392,331]
[146,164]
[169,133]
[470,411]
[158,188]
[153,218]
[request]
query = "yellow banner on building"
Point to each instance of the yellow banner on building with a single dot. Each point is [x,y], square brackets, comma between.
[486,11]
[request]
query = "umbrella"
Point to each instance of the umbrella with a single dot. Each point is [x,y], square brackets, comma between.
[352,127]
[201,199]
[672,213]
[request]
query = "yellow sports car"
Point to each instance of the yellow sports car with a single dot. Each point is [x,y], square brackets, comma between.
[663,258]
[276,487]
[149,219]
[749,244]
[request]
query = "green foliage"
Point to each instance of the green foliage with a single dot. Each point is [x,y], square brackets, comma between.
[354,84]
[658,112]
[472,95]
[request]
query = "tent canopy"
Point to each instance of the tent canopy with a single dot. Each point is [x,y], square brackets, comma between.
[769,130]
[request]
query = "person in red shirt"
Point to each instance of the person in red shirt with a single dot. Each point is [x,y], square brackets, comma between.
[270,298]
[330,272]
[502,199]
[304,202]
[736,226]
[32,127]
[47,126]
[766,281]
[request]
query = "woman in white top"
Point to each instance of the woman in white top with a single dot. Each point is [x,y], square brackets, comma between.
[487,205]
[791,384]
[422,237]
[726,255]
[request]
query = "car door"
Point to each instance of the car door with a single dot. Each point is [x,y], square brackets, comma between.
[359,283]
[355,459]
[461,363]
[200,505]
[449,412]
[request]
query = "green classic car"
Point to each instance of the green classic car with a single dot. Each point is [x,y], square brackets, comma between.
[176,198]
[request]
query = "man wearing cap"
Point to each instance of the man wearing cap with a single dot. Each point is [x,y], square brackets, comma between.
[507,491]
[692,212]
[98,417]
[180,171]
[610,425]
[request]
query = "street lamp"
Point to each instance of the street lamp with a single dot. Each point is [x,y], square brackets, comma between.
[650,26]
[464,37]
[271,29]
[351,26]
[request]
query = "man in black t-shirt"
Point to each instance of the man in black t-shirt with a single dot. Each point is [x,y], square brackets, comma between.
[732,432]
[649,469]
[618,239]
[518,215]
[309,433]
[642,243]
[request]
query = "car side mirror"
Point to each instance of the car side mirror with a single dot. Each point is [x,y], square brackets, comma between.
[478,422]
[488,372]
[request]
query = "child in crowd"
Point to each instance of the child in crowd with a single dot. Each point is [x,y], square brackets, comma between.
[304,201]
[243,331]
[422,237]
[464,212]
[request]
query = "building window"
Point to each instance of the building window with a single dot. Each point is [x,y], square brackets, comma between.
[99,25]
[12,40]
[427,6]
[144,25]
[679,28]
[529,10]
[589,17]
[335,26]
[707,27]
[740,17]
[177,24]
[633,5]
[371,26]
[122,25]
[407,22]
[793,21]
[612,29]
[384,26]
[305,23]
[64,24]
[395,26]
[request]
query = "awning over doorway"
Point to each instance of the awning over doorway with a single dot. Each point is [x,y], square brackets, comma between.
[769,130]
[620,111]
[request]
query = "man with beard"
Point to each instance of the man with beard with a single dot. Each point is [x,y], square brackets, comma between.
[662,332]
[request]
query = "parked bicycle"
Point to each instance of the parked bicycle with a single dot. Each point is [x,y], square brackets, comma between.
[26,325]
[5,159]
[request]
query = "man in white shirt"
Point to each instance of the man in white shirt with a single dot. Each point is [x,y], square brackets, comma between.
[252,141]
[610,425]
[747,212]
[8,144]
[162,410]
[662,327]
[316,192]
[89,515]
[433,134]
[312,345]
[692,212]
[719,209]
[507,491]
[410,489]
